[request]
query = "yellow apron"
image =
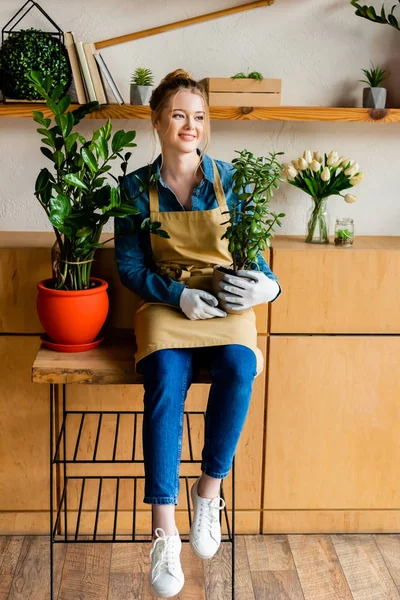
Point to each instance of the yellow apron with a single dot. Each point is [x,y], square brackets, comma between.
[188,256]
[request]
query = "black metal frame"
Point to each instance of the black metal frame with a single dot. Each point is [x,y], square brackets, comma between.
[32,4]
[58,440]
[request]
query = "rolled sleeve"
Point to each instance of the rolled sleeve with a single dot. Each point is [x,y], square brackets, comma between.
[133,266]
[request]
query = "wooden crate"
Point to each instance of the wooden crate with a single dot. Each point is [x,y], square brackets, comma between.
[225,91]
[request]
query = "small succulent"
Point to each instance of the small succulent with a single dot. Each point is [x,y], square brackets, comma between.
[253,75]
[374,76]
[142,76]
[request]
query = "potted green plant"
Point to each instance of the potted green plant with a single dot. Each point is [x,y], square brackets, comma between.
[30,49]
[78,201]
[253,75]
[251,222]
[374,96]
[141,86]
[320,178]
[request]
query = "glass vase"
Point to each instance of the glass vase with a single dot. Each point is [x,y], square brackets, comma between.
[318,222]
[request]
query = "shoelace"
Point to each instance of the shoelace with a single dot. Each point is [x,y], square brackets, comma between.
[167,546]
[209,518]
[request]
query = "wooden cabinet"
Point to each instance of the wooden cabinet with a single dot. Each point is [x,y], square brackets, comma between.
[320,447]
[332,443]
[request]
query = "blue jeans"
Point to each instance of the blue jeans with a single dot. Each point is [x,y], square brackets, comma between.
[167,378]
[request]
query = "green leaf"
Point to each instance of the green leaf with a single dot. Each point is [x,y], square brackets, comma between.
[103,148]
[57,92]
[309,185]
[70,141]
[60,209]
[117,141]
[47,152]
[72,179]
[39,118]
[89,159]
[371,13]
[58,158]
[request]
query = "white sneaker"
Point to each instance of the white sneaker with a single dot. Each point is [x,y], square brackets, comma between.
[205,532]
[166,577]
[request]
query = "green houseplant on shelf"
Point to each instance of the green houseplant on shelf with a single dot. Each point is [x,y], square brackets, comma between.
[253,75]
[78,201]
[321,177]
[374,96]
[251,222]
[141,86]
[30,49]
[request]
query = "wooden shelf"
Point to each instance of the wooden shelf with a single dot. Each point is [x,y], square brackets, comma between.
[232,113]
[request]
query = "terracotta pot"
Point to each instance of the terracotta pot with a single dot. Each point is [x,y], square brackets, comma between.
[72,317]
[219,272]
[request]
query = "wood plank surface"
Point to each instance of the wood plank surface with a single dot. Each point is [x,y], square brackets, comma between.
[268,567]
[320,573]
[32,573]
[278,113]
[364,567]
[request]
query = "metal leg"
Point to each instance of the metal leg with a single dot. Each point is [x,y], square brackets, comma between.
[51,486]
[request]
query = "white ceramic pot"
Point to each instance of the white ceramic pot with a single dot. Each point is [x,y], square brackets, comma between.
[374,97]
[140,94]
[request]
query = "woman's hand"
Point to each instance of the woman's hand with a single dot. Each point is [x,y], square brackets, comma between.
[259,290]
[198,304]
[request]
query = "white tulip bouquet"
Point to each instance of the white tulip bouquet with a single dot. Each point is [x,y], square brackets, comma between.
[320,178]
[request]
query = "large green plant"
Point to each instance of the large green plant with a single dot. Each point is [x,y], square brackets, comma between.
[368,12]
[27,50]
[250,229]
[76,197]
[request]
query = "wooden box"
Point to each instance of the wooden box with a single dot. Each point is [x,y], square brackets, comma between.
[225,91]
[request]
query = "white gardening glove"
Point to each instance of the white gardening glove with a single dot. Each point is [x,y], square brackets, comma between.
[198,304]
[241,294]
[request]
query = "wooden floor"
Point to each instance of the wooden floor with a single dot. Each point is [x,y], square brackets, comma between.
[268,567]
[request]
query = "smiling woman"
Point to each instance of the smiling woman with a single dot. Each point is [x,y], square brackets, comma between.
[184,196]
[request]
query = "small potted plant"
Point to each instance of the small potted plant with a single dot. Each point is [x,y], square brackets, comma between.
[253,75]
[141,86]
[30,49]
[251,223]
[374,96]
[72,306]
[320,178]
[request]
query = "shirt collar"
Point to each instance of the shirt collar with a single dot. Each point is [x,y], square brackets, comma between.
[206,161]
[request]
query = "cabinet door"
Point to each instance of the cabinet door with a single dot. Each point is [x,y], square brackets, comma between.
[24,440]
[326,289]
[332,425]
[20,270]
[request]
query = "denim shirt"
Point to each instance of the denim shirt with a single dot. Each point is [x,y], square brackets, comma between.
[137,269]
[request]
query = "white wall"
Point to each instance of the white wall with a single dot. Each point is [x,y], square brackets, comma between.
[317,47]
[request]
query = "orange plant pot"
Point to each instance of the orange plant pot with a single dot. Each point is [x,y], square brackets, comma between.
[72,317]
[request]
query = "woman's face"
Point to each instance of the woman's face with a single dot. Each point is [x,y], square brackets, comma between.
[181,127]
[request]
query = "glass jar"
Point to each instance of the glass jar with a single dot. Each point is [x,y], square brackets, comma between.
[344,231]
[317,222]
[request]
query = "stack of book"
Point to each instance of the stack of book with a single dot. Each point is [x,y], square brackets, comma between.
[91,76]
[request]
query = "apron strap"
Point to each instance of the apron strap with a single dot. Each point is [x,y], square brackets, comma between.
[218,189]
[153,196]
